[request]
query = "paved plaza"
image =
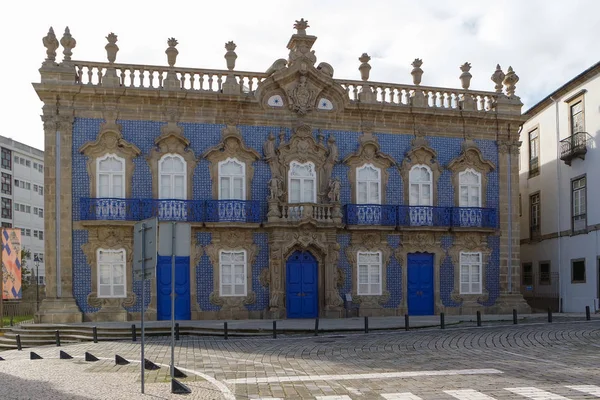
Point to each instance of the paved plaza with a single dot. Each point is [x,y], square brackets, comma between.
[536,360]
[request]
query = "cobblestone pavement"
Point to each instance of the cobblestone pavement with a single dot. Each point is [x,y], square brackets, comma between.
[537,361]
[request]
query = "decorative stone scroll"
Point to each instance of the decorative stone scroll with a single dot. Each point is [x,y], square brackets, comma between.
[372,242]
[470,242]
[110,238]
[368,152]
[232,240]
[110,141]
[470,158]
[420,153]
[232,146]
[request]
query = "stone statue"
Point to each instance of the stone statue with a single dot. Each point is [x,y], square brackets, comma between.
[281,139]
[333,151]
[334,191]
[275,189]
[269,147]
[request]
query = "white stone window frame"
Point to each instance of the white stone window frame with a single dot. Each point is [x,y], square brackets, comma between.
[469,186]
[360,265]
[469,274]
[112,266]
[303,181]
[111,175]
[429,182]
[172,175]
[368,182]
[232,265]
[231,177]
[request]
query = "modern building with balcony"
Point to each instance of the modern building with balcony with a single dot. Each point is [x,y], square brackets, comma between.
[560,240]
[307,195]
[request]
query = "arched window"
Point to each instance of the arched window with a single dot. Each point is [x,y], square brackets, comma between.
[110,181]
[421,187]
[302,183]
[469,182]
[368,185]
[172,177]
[232,180]
[111,273]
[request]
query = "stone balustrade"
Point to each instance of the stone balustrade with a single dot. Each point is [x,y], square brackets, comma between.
[298,212]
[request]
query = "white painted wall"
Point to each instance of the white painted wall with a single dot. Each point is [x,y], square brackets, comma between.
[554,184]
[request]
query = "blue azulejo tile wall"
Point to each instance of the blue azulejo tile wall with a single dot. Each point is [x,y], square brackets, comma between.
[492,276]
[82,273]
[394,274]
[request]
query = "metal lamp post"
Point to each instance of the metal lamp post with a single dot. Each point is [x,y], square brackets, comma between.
[36,261]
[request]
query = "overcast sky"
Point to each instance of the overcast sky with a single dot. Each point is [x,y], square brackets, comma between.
[547,42]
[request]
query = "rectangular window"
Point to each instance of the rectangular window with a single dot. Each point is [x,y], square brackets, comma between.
[35,210]
[111,273]
[35,187]
[470,273]
[6,157]
[28,185]
[35,233]
[41,168]
[233,273]
[16,159]
[369,273]
[579,192]
[527,274]
[16,183]
[534,215]
[545,273]
[6,208]
[28,209]
[578,270]
[27,163]
[41,190]
[22,207]
[22,161]
[6,225]
[27,232]
[6,183]
[534,152]
[41,235]
[41,213]
[577,117]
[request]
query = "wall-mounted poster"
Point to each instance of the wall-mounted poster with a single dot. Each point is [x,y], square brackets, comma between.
[11,264]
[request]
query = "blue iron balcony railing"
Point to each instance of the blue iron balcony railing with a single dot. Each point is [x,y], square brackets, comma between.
[370,214]
[424,216]
[474,217]
[173,209]
[110,209]
[232,211]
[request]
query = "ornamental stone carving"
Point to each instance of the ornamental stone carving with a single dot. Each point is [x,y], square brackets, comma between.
[232,240]
[232,146]
[470,158]
[470,242]
[171,141]
[50,42]
[368,152]
[110,238]
[369,242]
[420,242]
[110,141]
[301,97]
[420,153]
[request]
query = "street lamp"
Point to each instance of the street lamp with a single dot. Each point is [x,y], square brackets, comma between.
[36,261]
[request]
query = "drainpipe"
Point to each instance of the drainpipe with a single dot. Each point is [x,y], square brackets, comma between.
[560,280]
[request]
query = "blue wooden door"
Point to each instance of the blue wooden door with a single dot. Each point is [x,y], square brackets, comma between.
[182,288]
[420,284]
[302,295]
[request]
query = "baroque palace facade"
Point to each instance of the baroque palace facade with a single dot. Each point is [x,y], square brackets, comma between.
[306,194]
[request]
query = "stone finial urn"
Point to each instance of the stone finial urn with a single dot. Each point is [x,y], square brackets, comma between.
[230,56]
[498,77]
[364,67]
[111,48]
[172,52]
[51,44]
[417,72]
[465,77]
[510,82]
[300,26]
[68,42]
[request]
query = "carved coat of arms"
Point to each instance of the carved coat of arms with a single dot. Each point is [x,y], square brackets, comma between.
[301,97]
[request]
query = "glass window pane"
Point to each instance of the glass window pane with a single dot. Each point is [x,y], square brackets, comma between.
[224,188]
[226,290]
[295,191]
[239,290]
[363,288]
[309,191]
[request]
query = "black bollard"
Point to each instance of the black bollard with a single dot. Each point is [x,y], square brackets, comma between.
[406,326]
[274,329]
[176,330]
[317,327]
[549,314]
[587,313]
[133,333]
[95,334]
[57,336]
[366,324]
[442,321]
[514,316]
[225,331]
[19,347]
[478,318]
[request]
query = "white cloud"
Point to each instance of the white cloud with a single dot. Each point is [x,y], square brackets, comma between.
[547,43]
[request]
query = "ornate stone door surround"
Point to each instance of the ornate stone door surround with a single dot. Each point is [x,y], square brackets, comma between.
[420,242]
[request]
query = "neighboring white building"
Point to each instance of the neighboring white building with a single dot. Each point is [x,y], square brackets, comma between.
[560,238]
[22,197]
